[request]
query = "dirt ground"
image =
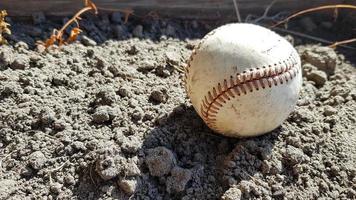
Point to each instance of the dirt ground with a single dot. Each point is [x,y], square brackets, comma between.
[107,118]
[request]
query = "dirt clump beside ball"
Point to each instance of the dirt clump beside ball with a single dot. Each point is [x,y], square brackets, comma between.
[111,120]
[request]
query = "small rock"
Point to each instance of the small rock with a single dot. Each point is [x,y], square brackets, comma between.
[38,18]
[147,65]
[37,160]
[318,77]
[178,179]
[232,193]
[138,31]
[173,58]
[87,41]
[159,95]
[116,17]
[21,45]
[328,110]
[160,161]
[128,185]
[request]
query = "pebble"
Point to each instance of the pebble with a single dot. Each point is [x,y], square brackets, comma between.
[128,185]
[87,41]
[160,161]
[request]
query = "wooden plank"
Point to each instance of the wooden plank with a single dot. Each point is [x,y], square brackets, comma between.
[200,9]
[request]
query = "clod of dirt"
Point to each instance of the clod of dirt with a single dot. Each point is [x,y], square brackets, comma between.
[20,62]
[232,194]
[295,155]
[128,185]
[37,160]
[160,161]
[131,144]
[173,58]
[328,110]
[110,165]
[318,77]
[104,114]
[178,179]
[324,58]
[106,96]
[6,188]
[159,95]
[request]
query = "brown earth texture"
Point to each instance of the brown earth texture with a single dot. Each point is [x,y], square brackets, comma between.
[107,118]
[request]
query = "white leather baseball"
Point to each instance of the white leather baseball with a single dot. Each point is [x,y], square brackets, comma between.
[243,79]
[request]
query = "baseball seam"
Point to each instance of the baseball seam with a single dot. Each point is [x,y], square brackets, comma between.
[249,80]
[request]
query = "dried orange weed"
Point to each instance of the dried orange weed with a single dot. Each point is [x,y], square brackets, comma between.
[57,35]
[4,27]
[336,10]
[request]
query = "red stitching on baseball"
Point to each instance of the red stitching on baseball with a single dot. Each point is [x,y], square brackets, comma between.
[242,83]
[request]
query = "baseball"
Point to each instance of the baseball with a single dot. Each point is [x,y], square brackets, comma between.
[243,80]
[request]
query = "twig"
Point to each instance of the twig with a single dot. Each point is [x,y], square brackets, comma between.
[315,9]
[265,14]
[339,43]
[237,11]
[303,35]
[7,155]
[56,169]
